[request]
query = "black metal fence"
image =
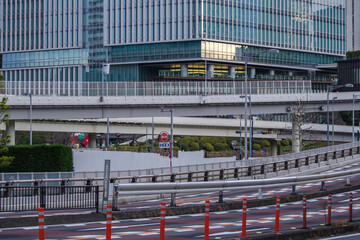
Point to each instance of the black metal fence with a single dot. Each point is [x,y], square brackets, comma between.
[50,198]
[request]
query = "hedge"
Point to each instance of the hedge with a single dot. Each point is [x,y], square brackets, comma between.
[40,158]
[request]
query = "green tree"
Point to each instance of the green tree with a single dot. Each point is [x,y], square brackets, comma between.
[194,146]
[4,119]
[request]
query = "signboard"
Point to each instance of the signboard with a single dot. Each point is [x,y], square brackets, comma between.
[164,145]
[106,180]
[163,136]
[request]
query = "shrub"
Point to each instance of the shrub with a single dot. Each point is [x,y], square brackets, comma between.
[194,146]
[40,158]
[209,147]
[184,147]
[189,140]
[284,142]
[256,147]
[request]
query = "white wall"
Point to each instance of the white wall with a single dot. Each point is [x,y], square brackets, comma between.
[93,160]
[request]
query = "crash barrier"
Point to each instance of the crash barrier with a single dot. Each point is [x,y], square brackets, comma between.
[262,167]
[49,198]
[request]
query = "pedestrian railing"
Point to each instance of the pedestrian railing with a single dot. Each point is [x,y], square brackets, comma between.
[61,197]
[136,88]
[208,172]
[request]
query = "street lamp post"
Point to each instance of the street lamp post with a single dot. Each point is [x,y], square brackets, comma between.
[246,55]
[171,133]
[205,65]
[30,98]
[353,116]
[333,116]
[331,88]
[251,121]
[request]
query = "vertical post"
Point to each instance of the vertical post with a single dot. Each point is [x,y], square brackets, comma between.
[243,233]
[327,115]
[333,120]
[152,137]
[246,96]
[172,137]
[162,221]
[207,220]
[350,206]
[41,224]
[30,96]
[107,134]
[221,196]
[329,209]
[277,215]
[260,193]
[304,211]
[251,122]
[353,118]
[205,65]
[108,221]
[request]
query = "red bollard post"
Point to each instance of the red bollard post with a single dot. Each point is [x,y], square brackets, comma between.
[350,206]
[304,211]
[162,221]
[277,215]
[329,210]
[243,233]
[108,221]
[207,220]
[41,224]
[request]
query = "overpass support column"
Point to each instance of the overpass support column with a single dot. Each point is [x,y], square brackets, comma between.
[92,140]
[296,137]
[232,72]
[210,71]
[252,72]
[10,130]
[184,70]
[274,147]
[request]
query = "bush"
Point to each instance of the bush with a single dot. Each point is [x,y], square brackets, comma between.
[209,147]
[176,148]
[220,146]
[256,147]
[184,147]
[194,146]
[40,158]
[284,142]
[189,140]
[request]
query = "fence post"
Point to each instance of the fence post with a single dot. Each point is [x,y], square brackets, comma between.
[350,206]
[304,211]
[243,223]
[322,188]
[293,190]
[97,198]
[348,182]
[260,193]
[108,221]
[221,196]
[42,196]
[329,210]
[41,224]
[173,200]
[162,221]
[277,215]
[207,220]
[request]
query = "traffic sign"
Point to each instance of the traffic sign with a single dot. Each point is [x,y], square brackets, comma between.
[164,145]
[163,136]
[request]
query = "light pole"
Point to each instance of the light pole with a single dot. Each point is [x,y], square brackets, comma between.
[353,116]
[246,89]
[30,98]
[205,65]
[171,133]
[251,119]
[331,88]
[333,116]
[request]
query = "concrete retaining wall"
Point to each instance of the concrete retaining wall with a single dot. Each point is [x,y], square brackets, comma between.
[92,160]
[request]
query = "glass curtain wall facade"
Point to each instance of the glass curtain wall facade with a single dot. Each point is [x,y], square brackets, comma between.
[65,42]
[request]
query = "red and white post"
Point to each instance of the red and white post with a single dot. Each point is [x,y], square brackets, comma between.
[350,206]
[41,224]
[162,221]
[207,219]
[277,215]
[243,233]
[304,211]
[108,221]
[329,209]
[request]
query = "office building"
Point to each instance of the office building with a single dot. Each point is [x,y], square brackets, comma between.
[52,47]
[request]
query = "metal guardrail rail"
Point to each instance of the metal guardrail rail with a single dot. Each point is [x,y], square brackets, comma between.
[200,173]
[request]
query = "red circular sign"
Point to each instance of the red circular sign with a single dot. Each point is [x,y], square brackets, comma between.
[164,136]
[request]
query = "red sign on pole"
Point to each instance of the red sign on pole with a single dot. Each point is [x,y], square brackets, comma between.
[163,136]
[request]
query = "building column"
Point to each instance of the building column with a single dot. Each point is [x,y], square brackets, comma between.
[10,130]
[252,72]
[211,70]
[296,138]
[184,70]
[92,140]
[232,72]
[274,147]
